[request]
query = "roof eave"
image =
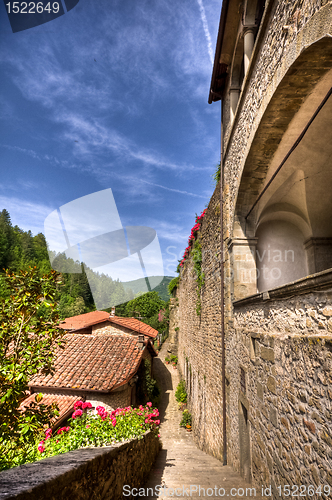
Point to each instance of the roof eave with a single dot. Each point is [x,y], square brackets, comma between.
[213,95]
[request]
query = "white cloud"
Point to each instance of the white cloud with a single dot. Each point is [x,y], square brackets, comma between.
[206,29]
[26,214]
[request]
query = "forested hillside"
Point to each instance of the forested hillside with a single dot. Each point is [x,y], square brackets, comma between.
[20,249]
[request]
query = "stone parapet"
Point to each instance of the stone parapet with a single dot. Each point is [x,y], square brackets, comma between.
[83,474]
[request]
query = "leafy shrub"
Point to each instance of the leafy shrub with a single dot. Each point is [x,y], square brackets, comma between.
[173,284]
[29,337]
[173,359]
[186,419]
[181,393]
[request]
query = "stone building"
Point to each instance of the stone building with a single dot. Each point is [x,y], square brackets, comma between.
[103,369]
[100,322]
[271,376]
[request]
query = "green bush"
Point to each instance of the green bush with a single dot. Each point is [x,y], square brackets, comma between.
[186,419]
[181,393]
[173,284]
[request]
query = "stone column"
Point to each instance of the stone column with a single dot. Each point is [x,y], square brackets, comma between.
[249,40]
[243,266]
[234,94]
[319,254]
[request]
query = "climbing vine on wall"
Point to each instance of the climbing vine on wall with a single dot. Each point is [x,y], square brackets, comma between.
[198,259]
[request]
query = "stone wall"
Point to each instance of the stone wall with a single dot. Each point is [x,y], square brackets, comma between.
[278,374]
[119,398]
[85,474]
[174,323]
[288,28]
[199,339]
[113,329]
[284,350]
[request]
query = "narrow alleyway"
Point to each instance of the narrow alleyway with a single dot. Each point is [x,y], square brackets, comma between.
[180,463]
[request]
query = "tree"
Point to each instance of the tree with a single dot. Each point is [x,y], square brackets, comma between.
[149,305]
[29,337]
[6,236]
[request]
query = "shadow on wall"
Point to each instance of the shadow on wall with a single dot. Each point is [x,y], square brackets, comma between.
[280,254]
[164,380]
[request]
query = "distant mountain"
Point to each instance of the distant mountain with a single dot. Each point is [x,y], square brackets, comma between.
[139,285]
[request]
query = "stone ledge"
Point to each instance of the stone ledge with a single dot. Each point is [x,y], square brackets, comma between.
[312,283]
[87,473]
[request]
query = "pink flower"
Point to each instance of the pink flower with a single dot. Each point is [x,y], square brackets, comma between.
[48,433]
[157,422]
[86,405]
[146,420]
[57,441]
[64,429]
[78,404]
[41,447]
[87,426]
[114,422]
[77,413]
[159,435]
[149,405]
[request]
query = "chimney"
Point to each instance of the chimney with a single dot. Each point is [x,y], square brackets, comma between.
[112,312]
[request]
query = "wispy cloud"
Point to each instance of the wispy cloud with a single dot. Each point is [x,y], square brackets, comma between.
[26,214]
[172,189]
[91,137]
[206,29]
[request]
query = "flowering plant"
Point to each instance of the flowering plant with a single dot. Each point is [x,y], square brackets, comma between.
[102,428]
[192,237]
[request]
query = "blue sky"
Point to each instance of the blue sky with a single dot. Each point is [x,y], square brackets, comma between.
[112,94]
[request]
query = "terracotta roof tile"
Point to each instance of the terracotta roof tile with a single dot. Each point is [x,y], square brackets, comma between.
[101,363]
[65,403]
[95,317]
[84,320]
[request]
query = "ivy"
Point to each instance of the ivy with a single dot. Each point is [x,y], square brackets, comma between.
[217,174]
[173,284]
[198,259]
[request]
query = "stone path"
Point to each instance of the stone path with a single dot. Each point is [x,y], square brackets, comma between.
[180,464]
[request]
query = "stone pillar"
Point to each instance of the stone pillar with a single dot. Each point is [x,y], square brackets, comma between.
[243,266]
[249,40]
[319,254]
[234,94]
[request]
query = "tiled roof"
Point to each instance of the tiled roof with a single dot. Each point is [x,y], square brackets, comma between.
[135,325]
[84,320]
[93,318]
[65,403]
[97,363]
